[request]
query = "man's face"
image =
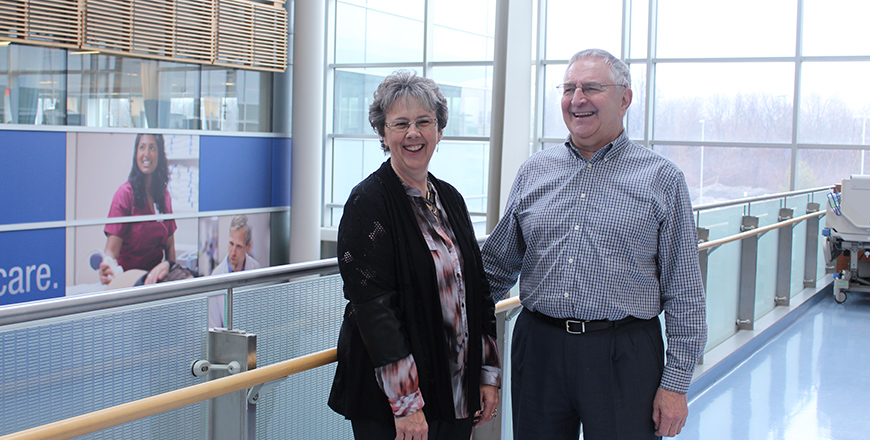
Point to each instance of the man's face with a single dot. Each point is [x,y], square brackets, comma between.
[238,249]
[593,119]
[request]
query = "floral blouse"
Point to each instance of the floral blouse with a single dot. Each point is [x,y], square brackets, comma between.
[399,379]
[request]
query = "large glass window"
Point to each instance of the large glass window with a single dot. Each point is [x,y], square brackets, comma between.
[45,86]
[835,27]
[33,81]
[379,31]
[739,114]
[731,102]
[708,29]
[463,30]
[833,111]
[450,41]
[572,26]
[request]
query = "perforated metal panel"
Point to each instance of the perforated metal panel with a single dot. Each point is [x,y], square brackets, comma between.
[292,320]
[61,368]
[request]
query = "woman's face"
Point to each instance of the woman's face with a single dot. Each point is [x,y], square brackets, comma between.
[147,154]
[411,150]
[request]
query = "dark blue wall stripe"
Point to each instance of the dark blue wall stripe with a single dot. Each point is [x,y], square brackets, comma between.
[32,176]
[234,173]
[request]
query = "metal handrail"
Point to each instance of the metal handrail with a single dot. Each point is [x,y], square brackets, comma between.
[88,302]
[760,198]
[113,416]
[719,242]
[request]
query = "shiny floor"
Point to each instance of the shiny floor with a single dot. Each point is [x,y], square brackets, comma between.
[810,381]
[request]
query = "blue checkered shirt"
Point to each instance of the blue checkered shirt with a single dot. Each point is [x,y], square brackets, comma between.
[605,238]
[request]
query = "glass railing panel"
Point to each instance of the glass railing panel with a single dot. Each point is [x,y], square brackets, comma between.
[292,320]
[768,250]
[59,368]
[799,242]
[820,198]
[723,275]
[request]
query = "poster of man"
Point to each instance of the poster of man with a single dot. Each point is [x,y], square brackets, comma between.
[232,244]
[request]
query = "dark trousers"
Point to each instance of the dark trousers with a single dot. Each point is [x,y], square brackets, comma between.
[605,380]
[438,430]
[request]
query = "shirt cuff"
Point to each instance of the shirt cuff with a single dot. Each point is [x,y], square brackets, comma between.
[490,376]
[676,380]
[406,405]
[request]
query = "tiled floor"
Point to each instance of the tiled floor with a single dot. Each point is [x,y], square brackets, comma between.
[811,381]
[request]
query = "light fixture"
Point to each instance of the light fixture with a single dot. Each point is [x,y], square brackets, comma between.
[84,52]
[5,43]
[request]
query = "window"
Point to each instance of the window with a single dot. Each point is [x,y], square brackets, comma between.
[45,86]
[375,38]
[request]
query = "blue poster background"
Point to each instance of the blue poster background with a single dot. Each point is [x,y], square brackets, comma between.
[32,265]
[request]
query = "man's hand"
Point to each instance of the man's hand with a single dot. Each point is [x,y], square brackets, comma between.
[412,427]
[670,410]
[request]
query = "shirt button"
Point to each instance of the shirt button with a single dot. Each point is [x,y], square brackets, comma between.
[566,294]
[583,196]
[570,260]
[577,228]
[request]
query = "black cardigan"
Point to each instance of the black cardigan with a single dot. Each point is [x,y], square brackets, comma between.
[395,309]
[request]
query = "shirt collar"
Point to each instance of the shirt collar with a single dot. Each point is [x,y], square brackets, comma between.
[610,151]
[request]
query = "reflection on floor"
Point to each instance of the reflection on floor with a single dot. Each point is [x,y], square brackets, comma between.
[810,381]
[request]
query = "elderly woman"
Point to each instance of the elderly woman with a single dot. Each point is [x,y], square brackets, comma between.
[416,354]
[144,245]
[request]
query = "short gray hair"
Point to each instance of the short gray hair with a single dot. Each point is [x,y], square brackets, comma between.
[241,221]
[619,71]
[405,84]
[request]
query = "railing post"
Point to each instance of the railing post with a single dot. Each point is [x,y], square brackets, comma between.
[812,250]
[231,417]
[703,237]
[748,269]
[783,258]
[492,430]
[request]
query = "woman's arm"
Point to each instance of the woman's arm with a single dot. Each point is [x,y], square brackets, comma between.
[170,248]
[159,272]
[113,248]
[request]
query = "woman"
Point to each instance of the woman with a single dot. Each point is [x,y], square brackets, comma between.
[416,354]
[146,245]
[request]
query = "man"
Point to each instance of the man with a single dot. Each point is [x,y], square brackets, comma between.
[238,258]
[600,232]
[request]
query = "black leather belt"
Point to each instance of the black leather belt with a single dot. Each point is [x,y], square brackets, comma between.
[579,326]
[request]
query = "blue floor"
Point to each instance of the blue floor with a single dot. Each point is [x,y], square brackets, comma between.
[811,381]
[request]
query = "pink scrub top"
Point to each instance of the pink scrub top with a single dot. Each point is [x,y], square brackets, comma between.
[143,243]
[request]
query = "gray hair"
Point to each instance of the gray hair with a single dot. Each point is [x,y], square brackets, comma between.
[619,71]
[405,84]
[241,221]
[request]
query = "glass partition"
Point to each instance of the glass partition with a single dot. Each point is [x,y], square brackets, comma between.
[292,320]
[768,252]
[723,275]
[64,367]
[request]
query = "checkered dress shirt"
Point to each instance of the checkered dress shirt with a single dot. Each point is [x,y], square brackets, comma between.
[605,238]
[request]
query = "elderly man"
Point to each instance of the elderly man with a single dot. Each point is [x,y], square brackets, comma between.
[601,235]
[238,259]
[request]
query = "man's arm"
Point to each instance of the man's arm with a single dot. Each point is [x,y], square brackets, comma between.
[504,250]
[683,298]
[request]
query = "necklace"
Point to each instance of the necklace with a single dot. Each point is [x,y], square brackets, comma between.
[430,199]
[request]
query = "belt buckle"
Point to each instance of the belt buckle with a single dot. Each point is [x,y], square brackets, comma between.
[568,323]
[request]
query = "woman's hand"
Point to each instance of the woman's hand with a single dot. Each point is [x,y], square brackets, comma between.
[412,427]
[113,248]
[158,273]
[489,403]
[106,273]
